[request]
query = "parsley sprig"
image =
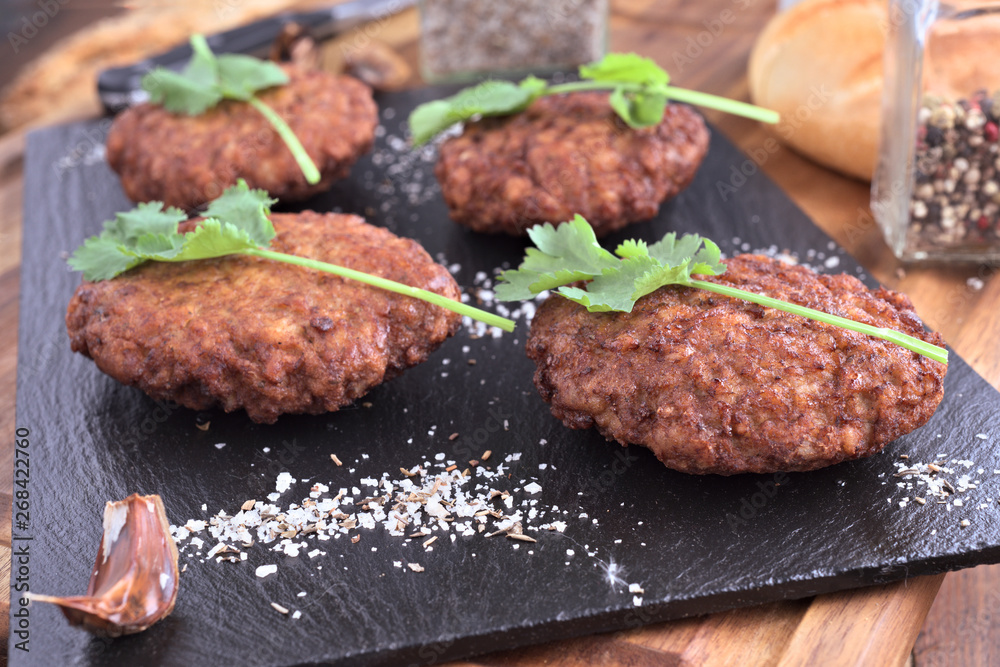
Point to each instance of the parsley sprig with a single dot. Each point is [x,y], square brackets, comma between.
[236,223]
[639,93]
[570,253]
[208,79]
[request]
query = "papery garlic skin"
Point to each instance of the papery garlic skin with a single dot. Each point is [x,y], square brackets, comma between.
[135,577]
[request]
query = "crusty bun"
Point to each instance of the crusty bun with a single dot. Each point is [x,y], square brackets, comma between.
[820,65]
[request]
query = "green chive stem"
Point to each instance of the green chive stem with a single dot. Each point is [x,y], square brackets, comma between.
[911,343]
[390,285]
[298,152]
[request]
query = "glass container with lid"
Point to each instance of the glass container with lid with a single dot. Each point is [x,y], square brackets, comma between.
[936,191]
[472,39]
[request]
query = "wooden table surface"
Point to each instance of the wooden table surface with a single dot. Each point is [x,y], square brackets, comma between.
[950,619]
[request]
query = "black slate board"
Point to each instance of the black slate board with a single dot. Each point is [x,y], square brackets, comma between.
[677,536]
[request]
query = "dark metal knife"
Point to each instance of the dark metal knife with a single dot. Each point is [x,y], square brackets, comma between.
[120,87]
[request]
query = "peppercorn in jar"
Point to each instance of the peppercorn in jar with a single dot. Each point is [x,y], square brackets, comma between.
[936,192]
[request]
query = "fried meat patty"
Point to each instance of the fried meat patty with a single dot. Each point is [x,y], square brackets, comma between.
[713,384]
[243,332]
[186,161]
[568,154]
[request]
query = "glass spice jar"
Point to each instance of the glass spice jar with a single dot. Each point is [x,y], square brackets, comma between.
[936,191]
[470,39]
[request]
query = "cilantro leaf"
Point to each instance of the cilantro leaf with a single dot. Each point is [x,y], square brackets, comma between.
[430,119]
[179,93]
[615,289]
[246,209]
[638,109]
[237,223]
[211,239]
[639,93]
[241,76]
[569,253]
[669,250]
[105,256]
[632,248]
[489,98]
[625,67]
[208,79]
[146,218]
[566,254]
[148,232]
[575,241]
[102,258]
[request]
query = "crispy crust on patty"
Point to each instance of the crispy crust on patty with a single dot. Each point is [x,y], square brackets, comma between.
[186,161]
[718,385]
[568,154]
[248,333]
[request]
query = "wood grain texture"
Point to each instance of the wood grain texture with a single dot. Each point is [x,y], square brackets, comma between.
[875,625]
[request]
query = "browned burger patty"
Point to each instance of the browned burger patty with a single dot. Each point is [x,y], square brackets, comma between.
[268,337]
[718,385]
[186,161]
[568,154]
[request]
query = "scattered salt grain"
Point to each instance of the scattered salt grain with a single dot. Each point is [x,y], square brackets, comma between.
[284,482]
[265,570]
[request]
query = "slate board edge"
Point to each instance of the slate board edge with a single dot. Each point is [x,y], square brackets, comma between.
[610,622]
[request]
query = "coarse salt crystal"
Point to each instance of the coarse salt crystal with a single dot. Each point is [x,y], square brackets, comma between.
[265,570]
[284,482]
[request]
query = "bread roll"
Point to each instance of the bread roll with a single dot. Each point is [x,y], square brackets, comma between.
[820,65]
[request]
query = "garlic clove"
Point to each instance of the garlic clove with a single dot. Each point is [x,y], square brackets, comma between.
[135,577]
